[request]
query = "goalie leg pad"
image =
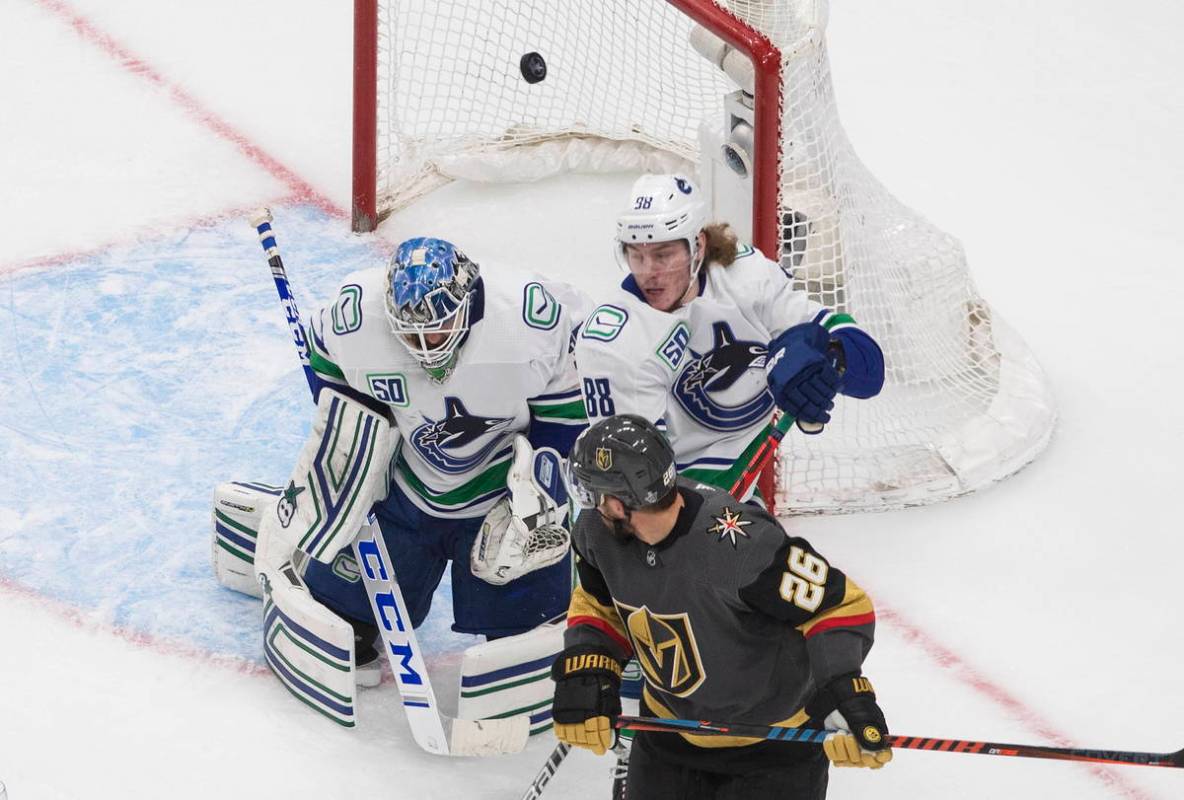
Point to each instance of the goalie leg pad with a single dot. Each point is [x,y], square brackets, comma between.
[238,510]
[511,676]
[340,472]
[308,647]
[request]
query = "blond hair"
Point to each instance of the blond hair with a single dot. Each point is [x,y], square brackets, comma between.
[721,244]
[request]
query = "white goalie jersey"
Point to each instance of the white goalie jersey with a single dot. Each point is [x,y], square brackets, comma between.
[698,371]
[513,374]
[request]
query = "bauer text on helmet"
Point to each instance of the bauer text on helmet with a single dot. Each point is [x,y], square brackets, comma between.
[659,237]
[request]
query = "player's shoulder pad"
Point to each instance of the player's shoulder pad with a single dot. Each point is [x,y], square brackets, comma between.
[518,297]
[606,322]
[751,265]
[636,332]
[755,522]
[358,297]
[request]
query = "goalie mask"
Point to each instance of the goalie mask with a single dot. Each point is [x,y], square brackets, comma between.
[662,209]
[430,285]
[624,456]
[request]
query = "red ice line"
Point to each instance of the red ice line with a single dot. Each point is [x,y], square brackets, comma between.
[71,256]
[300,191]
[947,659]
[74,616]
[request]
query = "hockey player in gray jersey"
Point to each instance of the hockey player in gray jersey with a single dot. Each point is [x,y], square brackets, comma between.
[729,617]
[706,335]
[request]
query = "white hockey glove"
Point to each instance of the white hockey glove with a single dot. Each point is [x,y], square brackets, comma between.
[527,530]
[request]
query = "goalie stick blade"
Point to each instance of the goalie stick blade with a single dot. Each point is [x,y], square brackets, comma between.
[489,737]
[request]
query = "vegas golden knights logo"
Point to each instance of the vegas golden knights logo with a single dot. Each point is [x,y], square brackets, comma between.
[604,458]
[666,649]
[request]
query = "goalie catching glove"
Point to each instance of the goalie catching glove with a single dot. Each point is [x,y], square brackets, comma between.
[587,697]
[527,530]
[849,706]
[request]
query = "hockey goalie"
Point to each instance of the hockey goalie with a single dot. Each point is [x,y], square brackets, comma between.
[445,396]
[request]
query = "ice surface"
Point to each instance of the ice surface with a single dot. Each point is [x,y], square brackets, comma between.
[147,361]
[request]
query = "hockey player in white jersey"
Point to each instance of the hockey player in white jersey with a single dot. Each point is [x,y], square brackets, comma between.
[706,335]
[475,372]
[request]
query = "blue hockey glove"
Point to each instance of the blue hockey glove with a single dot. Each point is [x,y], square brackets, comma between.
[802,379]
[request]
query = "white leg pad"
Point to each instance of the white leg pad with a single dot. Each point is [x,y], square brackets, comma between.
[511,676]
[238,509]
[308,647]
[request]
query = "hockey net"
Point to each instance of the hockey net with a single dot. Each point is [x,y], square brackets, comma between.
[440,94]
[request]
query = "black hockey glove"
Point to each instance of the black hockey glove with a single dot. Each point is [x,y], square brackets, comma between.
[848,704]
[802,376]
[587,697]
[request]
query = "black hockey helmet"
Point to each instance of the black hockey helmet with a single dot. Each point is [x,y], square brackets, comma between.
[624,456]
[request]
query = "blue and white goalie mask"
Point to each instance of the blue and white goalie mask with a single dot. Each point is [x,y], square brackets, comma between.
[430,288]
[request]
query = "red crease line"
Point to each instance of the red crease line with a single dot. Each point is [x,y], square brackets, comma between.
[81,621]
[949,660]
[301,190]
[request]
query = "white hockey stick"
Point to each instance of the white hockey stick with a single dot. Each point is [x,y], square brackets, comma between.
[431,729]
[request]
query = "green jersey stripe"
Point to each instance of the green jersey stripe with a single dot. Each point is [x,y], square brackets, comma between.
[491,479]
[834,320]
[572,410]
[321,364]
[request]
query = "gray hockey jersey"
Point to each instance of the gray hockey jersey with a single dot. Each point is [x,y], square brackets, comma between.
[729,617]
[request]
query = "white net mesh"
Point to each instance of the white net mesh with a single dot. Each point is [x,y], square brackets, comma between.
[964,404]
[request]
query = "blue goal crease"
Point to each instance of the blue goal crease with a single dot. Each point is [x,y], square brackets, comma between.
[144,376]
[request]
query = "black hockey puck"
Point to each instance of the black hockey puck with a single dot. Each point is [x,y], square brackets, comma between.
[533,67]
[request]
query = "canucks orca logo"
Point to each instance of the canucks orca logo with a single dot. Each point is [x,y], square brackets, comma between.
[706,376]
[442,442]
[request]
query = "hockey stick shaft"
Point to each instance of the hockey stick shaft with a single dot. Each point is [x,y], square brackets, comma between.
[758,455]
[547,772]
[817,736]
[261,221]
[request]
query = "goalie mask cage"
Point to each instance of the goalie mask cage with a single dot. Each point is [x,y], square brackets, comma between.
[440,94]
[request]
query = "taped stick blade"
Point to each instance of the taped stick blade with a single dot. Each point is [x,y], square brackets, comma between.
[489,737]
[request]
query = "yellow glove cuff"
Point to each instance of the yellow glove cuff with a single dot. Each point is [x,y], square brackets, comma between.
[843,750]
[595,734]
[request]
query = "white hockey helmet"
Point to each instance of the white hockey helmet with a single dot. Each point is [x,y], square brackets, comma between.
[662,208]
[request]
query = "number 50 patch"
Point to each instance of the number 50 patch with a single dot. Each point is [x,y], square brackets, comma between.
[389,388]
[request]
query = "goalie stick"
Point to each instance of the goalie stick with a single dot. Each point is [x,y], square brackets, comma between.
[261,222]
[817,735]
[431,729]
